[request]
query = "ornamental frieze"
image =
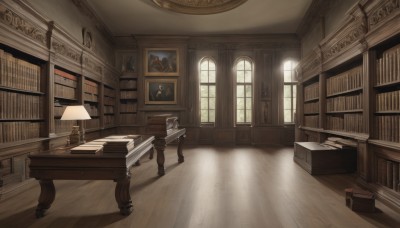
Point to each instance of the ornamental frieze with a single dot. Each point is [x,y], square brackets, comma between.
[353,36]
[311,65]
[93,67]
[62,49]
[383,12]
[18,23]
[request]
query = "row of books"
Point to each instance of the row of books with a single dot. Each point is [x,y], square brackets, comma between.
[65,91]
[109,101]
[128,84]
[388,67]
[64,125]
[109,92]
[91,87]
[345,122]
[59,110]
[311,121]
[127,118]
[340,143]
[91,109]
[93,123]
[90,97]
[18,73]
[389,101]
[311,91]
[349,80]
[109,120]
[128,95]
[16,131]
[312,107]
[63,78]
[387,128]
[20,106]
[108,109]
[388,173]
[116,144]
[344,103]
[128,107]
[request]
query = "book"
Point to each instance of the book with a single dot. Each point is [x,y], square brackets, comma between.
[86,149]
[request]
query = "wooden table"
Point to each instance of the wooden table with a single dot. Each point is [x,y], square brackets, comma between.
[160,143]
[60,164]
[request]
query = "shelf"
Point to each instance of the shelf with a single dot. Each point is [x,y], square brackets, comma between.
[128,89]
[389,84]
[109,113]
[348,134]
[21,90]
[63,98]
[311,100]
[91,101]
[21,120]
[311,129]
[311,113]
[345,92]
[128,98]
[346,111]
[128,112]
[388,144]
[388,112]
[19,143]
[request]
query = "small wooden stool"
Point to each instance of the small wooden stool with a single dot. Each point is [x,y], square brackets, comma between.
[360,200]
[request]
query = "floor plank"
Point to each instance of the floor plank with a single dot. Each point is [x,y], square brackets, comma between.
[215,187]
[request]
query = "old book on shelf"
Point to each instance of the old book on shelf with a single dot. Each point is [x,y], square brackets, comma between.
[86,149]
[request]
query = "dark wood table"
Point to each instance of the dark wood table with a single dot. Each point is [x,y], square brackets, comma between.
[60,164]
[160,143]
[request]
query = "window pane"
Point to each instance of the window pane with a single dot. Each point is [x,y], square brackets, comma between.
[287,103]
[204,76]
[211,103]
[248,103]
[204,103]
[287,116]
[203,91]
[211,91]
[248,91]
[287,65]
[211,76]
[248,116]
[239,76]
[204,65]
[287,76]
[204,115]
[287,92]
[240,65]
[211,65]
[212,116]
[294,104]
[294,91]
[247,65]
[240,103]
[240,91]
[240,116]
[247,76]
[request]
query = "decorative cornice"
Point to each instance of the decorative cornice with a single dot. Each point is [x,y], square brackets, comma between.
[88,63]
[199,7]
[66,51]
[351,37]
[21,25]
[385,10]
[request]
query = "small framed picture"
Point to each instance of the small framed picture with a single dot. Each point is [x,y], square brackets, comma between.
[161,62]
[160,91]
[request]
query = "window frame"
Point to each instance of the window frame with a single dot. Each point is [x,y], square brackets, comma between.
[208,84]
[293,99]
[236,83]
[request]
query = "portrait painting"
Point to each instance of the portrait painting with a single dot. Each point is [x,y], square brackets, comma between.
[161,62]
[160,91]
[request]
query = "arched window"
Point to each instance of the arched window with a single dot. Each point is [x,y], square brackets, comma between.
[244,91]
[207,90]
[289,91]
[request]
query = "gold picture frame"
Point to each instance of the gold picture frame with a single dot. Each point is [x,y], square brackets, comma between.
[161,62]
[160,91]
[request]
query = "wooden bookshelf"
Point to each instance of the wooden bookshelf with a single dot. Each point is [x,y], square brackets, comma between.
[311,104]
[109,105]
[128,100]
[91,103]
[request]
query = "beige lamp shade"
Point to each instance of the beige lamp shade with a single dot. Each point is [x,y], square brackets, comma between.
[76,112]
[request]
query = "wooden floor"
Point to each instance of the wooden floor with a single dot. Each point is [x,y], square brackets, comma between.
[216,187]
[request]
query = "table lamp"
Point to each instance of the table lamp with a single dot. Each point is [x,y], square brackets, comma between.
[76,112]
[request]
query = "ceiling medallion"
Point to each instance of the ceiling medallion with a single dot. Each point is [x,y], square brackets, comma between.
[199,7]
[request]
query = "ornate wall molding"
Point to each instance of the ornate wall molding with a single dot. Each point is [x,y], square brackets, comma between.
[92,66]
[200,7]
[66,51]
[23,26]
[381,13]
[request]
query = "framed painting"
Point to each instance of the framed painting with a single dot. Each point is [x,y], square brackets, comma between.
[160,91]
[161,62]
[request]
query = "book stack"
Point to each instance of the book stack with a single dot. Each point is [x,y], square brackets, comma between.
[88,148]
[119,143]
[340,143]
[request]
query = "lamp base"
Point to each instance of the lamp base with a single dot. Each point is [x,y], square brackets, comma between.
[75,136]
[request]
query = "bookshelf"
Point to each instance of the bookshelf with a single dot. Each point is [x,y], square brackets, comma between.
[91,103]
[21,96]
[109,105]
[128,99]
[65,94]
[311,103]
[344,101]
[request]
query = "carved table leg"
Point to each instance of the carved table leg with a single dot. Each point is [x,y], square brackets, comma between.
[123,196]
[160,146]
[46,198]
[181,139]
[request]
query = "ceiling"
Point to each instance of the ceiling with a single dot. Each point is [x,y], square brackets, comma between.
[137,17]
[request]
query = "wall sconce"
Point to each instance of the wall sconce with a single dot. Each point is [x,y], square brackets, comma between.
[76,112]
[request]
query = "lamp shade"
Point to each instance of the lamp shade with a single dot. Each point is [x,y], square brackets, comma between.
[76,112]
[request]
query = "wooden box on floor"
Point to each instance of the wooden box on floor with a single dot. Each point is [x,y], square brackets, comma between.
[319,159]
[359,200]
